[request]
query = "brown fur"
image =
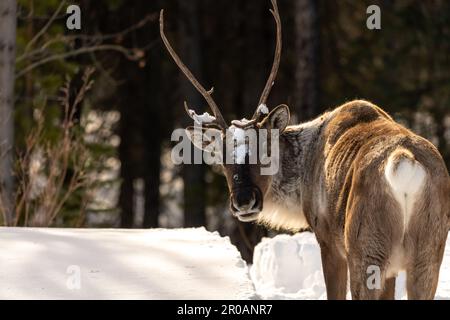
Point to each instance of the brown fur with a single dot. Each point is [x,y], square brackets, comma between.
[332,181]
[373,192]
[360,222]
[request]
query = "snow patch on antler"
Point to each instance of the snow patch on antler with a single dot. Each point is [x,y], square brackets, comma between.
[202,118]
[240,123]
[262,109]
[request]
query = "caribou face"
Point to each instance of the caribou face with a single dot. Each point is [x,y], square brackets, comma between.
[247,181]
[247,189]
[249,155]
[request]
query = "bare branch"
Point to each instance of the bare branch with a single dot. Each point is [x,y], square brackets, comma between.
[47,25]
[132,54]
[68,152]
[88,40]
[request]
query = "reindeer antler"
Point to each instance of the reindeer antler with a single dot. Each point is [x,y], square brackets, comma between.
[276,63]
[276,59]
[262,110]
[218,118]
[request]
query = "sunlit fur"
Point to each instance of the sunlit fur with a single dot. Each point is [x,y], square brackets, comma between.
[373,192]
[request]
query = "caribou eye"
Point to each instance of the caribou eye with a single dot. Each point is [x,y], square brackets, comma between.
[235,177]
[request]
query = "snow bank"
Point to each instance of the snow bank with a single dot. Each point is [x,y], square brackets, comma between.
[43,263]
[289,267]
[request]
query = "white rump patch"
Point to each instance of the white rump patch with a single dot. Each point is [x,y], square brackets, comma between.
[406,177]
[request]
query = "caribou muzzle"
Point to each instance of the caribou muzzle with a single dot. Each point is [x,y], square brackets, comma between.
[246,204]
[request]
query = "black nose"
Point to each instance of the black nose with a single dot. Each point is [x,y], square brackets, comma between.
[244,201]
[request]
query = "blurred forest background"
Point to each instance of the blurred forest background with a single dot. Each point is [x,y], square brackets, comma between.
[86,115]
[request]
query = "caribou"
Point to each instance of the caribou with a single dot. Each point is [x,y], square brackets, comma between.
[375,194]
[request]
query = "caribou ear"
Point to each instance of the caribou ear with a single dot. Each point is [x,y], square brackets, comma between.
[278,118]
[203,137]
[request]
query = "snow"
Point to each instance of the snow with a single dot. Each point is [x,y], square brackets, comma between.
[240,123]
[50,263]
[289,267]
[203,118]
[262,108]
[241,148]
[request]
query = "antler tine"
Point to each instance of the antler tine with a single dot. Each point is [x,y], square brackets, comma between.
[186,108]
[206,94]
[276,60]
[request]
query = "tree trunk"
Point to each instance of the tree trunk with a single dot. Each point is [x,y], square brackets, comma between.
[126,169]
[193,174]
[153,139]
[8,10]
[152,181]
[306,73]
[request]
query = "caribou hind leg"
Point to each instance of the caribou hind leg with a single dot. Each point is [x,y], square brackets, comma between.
[425,241]
[372,230]
[389,290]
[334,267]
[426,254]
[367,278]
[422,280]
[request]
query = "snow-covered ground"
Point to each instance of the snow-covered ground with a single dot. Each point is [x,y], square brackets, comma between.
[289,267]
[120,264]
[43,263]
